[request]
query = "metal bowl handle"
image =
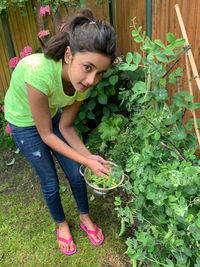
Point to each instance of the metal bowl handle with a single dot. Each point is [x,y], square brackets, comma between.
[81,171]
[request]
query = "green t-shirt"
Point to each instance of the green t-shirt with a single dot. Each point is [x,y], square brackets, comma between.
[43,74]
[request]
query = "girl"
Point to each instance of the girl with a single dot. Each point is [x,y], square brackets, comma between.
[73,60]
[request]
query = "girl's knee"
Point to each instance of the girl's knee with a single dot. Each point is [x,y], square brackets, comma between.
[50,190]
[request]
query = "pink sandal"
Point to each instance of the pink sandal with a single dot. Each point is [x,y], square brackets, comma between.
[67,241]
[89,232]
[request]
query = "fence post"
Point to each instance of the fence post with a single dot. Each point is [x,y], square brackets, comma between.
[111,12]
[8,39]
[149,18]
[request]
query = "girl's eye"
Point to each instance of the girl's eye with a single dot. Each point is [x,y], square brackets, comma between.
[87,68]
[101,74]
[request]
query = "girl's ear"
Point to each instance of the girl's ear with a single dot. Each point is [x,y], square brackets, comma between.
[68,55]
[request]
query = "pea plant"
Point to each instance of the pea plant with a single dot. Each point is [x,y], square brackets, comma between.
[160,210]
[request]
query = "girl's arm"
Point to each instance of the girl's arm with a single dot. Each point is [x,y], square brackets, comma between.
[38,102]
[66,128]
[69,133]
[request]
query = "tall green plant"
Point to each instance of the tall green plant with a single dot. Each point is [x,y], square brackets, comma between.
[162,203]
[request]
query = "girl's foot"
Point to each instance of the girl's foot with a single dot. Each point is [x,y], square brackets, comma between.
[64,232]
[85,219]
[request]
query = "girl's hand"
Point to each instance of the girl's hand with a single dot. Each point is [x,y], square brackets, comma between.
[98,158]
[97,168]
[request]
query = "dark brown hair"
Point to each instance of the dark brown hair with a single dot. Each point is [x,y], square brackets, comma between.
[83,34]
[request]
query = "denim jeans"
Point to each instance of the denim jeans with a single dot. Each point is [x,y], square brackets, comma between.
[40,157]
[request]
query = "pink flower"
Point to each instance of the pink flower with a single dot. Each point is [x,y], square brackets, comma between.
[2,108]
[44,10]
[13,62]
[8,130]
[43,33]
[22,54]
[26,52]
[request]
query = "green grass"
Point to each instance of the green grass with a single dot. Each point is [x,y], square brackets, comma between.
[28,234]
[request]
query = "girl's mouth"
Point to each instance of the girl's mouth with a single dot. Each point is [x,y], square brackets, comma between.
[83,86]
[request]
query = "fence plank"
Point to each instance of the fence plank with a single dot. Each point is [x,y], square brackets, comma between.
[190,11]
[125,11]
[5,71]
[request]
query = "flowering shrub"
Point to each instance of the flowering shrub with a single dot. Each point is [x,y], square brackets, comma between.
[44,10]
[8,126]
[13,62]
[43,33]
[26,52]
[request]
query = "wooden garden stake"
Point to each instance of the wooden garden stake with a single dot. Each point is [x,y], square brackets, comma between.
[190,55]
[191,92]
[193,66]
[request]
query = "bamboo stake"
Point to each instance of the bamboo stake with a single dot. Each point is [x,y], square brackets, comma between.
[191,92]
[190,55]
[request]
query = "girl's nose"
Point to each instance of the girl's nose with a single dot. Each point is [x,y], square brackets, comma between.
[91,79]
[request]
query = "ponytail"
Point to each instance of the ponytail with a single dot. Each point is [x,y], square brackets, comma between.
[83,34]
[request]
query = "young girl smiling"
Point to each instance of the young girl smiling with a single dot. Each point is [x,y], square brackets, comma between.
[73,60]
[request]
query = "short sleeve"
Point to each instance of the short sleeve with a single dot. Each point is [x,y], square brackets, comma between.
[81,96]
[34,76]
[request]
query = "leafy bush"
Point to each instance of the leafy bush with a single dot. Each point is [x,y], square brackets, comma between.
[6,141]
[102,101]
[161,205]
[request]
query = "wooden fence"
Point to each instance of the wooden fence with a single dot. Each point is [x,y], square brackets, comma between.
[23,31]
[165,20]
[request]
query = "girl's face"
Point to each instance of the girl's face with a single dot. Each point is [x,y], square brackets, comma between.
[84,69]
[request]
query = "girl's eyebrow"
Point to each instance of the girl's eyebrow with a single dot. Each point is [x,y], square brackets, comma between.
[91,64]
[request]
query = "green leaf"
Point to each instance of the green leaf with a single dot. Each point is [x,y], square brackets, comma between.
[178,132]
[157,136]
[178,100]
[82,115]
[135,33]
[139,86]
[139,29]
[197,262]
[138,39]
[106,111]
[129,57]
[170,37]
[169,262]
[159,93]
[133,67]
[187,95]
[91,115]
[159,43]
[190,124]
[162,58]
[108,73]
[179,42]
[124,66]
[179,72]
[91,103]
[113,79]
[192,106]
[195,231]
[136,58]
[187,251]
[102,99]
[172,77]
[63,188]
[83,128]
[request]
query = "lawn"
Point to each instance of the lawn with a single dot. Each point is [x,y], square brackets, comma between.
[28,234]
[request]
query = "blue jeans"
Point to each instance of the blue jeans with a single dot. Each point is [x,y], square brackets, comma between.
[40,157]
